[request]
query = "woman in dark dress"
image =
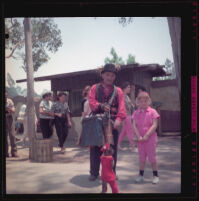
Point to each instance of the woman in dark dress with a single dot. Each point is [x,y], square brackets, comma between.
[62,119]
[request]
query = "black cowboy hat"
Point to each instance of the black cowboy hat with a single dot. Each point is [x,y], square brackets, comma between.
[109,68]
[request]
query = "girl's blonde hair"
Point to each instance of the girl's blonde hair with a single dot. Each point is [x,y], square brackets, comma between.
[143,95]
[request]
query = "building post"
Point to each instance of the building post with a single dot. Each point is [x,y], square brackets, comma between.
[159,123]
[132,94]
[54,95]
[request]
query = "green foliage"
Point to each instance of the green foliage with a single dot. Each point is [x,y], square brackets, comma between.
[15,30]
[170,69]
[125,20]
[19,90]
[46,37]
[11,82]
[115,59]
[130,59]
[15,90]
[12,92]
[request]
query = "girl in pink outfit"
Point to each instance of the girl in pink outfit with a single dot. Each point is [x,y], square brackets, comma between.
[145,121]
[127,128]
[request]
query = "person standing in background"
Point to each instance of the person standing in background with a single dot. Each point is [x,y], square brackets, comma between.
[25,122]
[127,128]
[86,110]
[139,89]
[46,116]
[62,119]
[10,110]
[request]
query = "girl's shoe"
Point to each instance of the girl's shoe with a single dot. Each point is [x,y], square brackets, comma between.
[62,150]
[139,179]
[155,180]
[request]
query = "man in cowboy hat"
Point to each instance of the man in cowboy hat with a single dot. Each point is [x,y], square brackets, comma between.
[99,96]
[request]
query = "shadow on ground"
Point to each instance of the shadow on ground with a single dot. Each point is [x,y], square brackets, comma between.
[83,181]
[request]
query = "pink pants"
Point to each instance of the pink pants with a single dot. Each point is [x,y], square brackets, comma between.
[127,129]
[148,149]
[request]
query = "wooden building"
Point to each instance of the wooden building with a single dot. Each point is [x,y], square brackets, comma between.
[136,74]
[74,83]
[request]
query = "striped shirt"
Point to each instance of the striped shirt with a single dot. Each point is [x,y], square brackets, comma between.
[62,108]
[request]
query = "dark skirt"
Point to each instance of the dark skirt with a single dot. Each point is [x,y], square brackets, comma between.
[46,126]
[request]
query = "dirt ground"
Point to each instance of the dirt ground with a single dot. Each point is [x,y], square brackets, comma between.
[69,172]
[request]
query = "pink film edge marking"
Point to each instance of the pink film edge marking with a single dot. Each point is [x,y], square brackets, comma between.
[194,104]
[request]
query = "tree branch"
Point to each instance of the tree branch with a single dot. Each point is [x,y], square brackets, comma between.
[11,26]
[16,45]
[42,38]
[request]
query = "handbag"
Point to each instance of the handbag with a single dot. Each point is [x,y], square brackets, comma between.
[93,127]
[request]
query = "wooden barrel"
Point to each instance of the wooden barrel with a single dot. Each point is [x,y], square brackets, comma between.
[41,150]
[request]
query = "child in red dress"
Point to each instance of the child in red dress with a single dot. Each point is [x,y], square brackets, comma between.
[107,173]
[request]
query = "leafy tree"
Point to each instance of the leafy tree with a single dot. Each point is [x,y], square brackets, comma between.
[115,58]
[174,24]
[19,90]
[12,92]
[170,69]
[46,38]
[168,65]
[130,59]
[118,60]
[15,90]
[11,82]
[125,20]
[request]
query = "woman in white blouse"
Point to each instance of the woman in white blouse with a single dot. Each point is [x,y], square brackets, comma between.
[46,116]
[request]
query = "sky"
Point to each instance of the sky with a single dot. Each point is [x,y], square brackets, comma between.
[87,42]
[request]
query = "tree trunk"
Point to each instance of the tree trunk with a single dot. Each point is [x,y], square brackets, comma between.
[43,150]
[39,150]
[30,86]
[174,24]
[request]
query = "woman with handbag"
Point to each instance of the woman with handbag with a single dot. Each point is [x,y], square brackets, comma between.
[62,119]
[99,96]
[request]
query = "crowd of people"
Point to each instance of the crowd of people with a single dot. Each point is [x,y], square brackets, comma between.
[138,121]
